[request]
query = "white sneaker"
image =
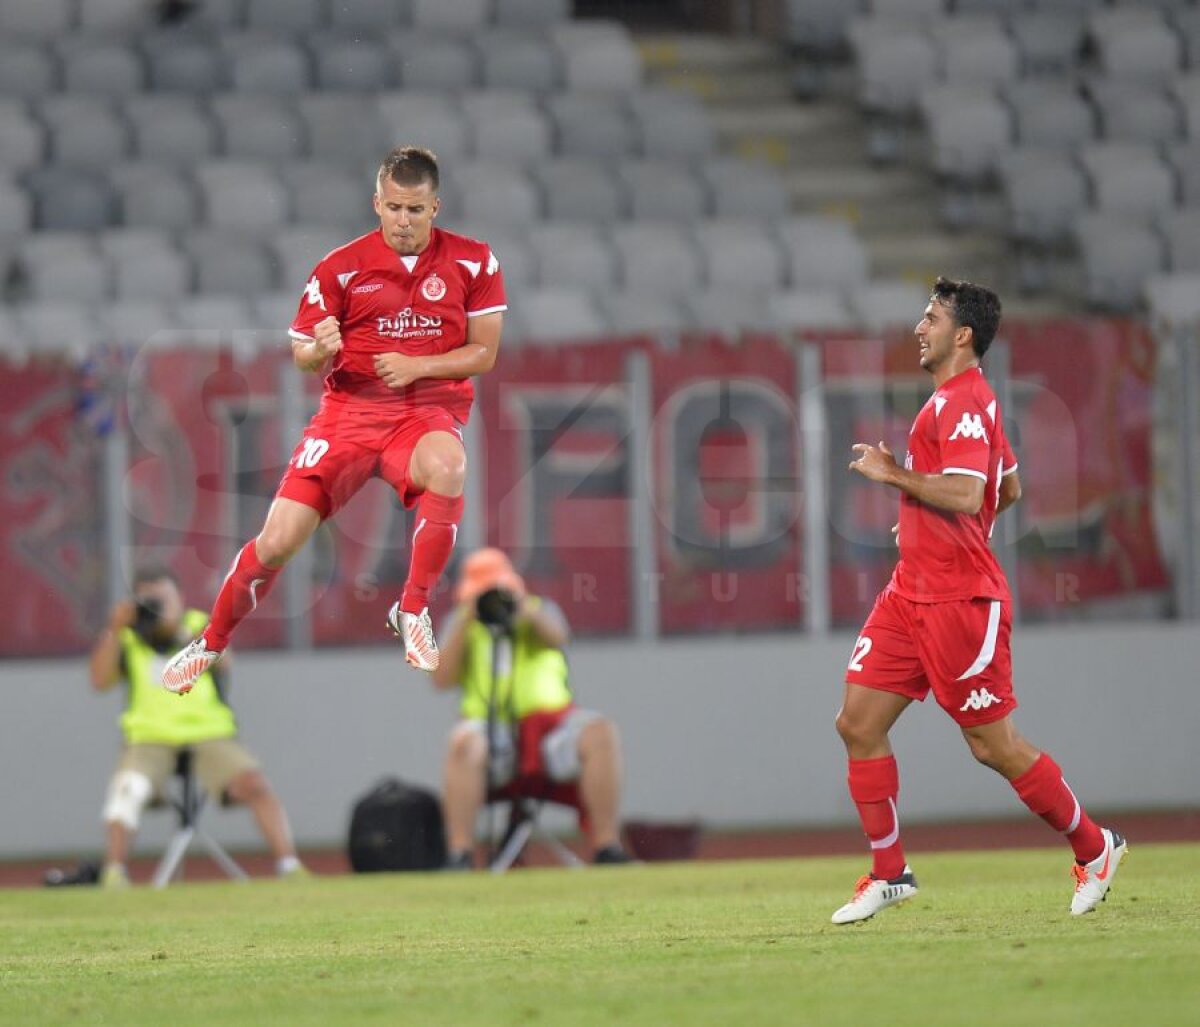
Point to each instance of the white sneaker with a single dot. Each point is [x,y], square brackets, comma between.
[185,668]
[1092,880]
[872,894]
[416,629]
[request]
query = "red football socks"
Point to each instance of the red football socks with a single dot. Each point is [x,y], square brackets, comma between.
[874,787]
[432,543]
[1044,791]
[248,582]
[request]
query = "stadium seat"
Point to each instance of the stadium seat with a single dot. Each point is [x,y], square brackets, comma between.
[63,266]
[181,62]
[657,258]
[158,274]
[573,255]
[894,64]
[351,64]
[45,19]
[1180,229]
[1173,298]
[120,18]
[1049,42]
[591,124]
[100,67]
[818,27]
[1135,42]
[209,320]
[560,314]
[230,263]
[84,130]
[822,251]
[637,312]
[62,328]
[1184,159]
[1127,178]
[433,119]
[241,195]
[509,244]
[265,128]
[510,60]
[459,16]
[671,125]
[969,128]
[297,249]
[154,195]
[260,63]
[1134,112]
[975,49]
[16,214]
[22,139]
[369,15]
[431,62]
[577,190]
[171,128]
[1186,90]
[599,61]
[532,14]
[743,188]
[881,304]
[729,312]
[739,255]
[1050,113]
[136,323]
[925,11]
[125,243]
[801,309]
[511,135]
[1117,252]
[1044,190]
[343,128]
[27,69]
[330,195]
[296,15]
[662,190]
[274,311]
[493,192]
[71,199]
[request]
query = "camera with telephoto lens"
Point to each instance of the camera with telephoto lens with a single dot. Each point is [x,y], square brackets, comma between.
[497,608]
[147,616]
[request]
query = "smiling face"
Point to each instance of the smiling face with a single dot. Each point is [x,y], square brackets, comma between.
[406,214]
[941,337]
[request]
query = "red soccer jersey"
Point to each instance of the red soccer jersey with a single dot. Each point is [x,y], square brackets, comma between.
[392,304]
[943,555]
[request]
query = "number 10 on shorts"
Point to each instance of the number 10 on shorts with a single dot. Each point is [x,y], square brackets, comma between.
[311,451]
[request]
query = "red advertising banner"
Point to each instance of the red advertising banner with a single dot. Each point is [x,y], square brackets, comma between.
[51,542]
[726,486]
[557,424]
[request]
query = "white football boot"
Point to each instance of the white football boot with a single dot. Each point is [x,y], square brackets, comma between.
[185,668]
[872,895]
[1092,880]
[416,629]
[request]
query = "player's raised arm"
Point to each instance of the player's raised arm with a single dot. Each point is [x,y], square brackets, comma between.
[312,355]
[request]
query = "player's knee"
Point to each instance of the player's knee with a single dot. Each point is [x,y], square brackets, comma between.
[128,793]
[598,737]
[850,728]
[467,746]
[444,470]
[248,787]
[274,545]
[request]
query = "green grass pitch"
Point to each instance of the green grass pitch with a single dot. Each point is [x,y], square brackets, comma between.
[988,941]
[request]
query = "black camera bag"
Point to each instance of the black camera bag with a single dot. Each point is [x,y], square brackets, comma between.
[397,826]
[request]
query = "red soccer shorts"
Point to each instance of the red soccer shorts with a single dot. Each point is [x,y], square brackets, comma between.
[960,649]
[343,446]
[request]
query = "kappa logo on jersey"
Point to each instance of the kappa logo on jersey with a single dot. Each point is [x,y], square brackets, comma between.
[493,264]
[433,288]
[970,426]
[979,699]
[313,291]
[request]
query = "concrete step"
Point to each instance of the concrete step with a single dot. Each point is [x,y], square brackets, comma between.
[926,255]
[678,51]
[759,84]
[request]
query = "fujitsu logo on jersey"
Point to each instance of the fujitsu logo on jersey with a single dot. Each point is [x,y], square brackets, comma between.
[970,426]
[408,323]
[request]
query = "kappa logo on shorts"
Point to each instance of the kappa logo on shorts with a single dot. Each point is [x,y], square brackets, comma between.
[433,288]
[979,699]
[970,426]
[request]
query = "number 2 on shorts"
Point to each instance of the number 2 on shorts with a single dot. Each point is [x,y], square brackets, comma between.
[861,648]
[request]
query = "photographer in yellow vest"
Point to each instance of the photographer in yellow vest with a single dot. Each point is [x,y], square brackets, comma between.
[142,634]
[541,741]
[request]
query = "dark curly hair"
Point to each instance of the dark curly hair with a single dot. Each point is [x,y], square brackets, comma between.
[974,307]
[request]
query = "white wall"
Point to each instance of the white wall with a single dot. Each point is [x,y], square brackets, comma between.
[735,732]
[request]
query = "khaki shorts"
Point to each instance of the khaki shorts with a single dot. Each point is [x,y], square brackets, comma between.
[215,762]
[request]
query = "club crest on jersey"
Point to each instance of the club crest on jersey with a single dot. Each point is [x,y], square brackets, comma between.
[433,288]
[970,426]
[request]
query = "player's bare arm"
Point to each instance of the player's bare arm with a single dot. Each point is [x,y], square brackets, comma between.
[475,356]
[956,493]
[311,355]
[1010,491]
